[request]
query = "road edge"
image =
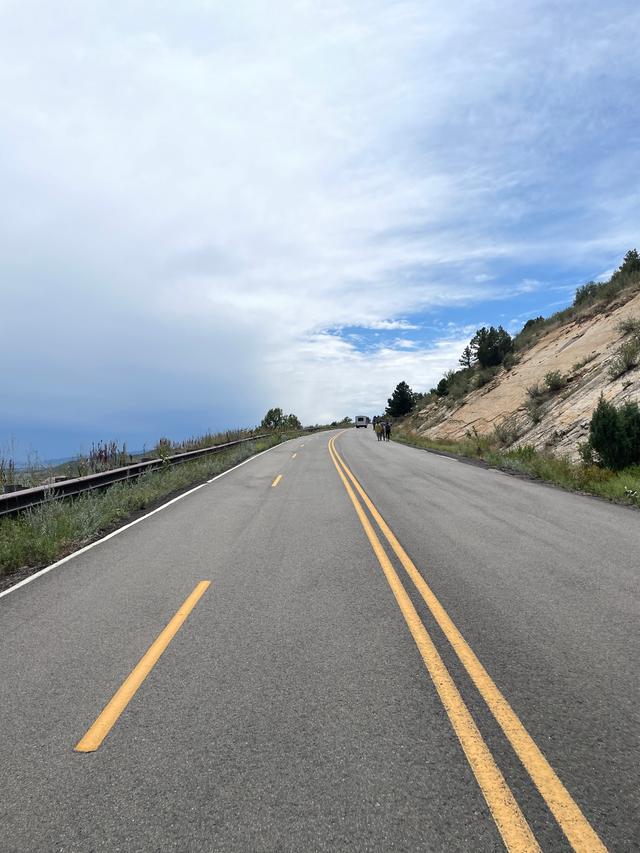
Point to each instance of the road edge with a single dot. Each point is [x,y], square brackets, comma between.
[135,521]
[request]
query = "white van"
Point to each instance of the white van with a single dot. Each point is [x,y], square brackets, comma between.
[361,421]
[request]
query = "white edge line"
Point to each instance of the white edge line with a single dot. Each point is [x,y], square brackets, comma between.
[131,524]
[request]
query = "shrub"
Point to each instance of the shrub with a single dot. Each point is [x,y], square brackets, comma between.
[442,388]
[534,410]
[626,357]
[510,360]
[506,432]
[554,380]
[535,392]
[629,326]
[588,292]
[585,451]
[483,377]
[459,382]
[614,434]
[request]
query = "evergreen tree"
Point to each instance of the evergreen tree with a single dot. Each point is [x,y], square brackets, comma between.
[629,266]
[274,419]
[292,422]
[490,346]
[401,401]
[466,359]
[442,388]
[605,435]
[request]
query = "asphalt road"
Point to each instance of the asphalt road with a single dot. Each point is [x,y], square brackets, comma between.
[295,707]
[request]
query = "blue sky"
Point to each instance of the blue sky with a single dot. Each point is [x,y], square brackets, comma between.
[208,209]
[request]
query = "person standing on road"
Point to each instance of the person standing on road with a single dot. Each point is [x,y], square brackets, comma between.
[379,431]
[387,430]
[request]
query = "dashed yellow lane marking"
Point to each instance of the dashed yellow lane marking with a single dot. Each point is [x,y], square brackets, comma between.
[276,481]
[294,455]
[512,825]
[571,820]
[112,710]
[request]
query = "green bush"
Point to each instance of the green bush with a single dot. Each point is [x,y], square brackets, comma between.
[614,434]
[554,380]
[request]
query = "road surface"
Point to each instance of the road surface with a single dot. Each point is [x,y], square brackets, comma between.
[393,650]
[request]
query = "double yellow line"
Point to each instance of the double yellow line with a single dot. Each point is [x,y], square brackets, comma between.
[511,823]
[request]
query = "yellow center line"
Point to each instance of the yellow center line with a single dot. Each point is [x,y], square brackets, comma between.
[512,825]
[276,481]
[112,710]
[572,821]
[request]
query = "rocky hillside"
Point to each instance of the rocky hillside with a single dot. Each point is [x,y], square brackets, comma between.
[519,404]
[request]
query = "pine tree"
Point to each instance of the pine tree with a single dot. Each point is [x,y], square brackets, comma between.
[466,359]
[631,262]
[490,346]
[401,401]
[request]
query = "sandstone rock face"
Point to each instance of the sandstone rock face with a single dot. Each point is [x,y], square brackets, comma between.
[582,350]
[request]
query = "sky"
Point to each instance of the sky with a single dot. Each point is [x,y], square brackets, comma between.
[212,208]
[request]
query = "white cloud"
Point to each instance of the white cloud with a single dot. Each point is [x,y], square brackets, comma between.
[391,324]
[192,197]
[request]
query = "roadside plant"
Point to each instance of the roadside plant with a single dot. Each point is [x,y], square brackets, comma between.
[506,432]
[614,434]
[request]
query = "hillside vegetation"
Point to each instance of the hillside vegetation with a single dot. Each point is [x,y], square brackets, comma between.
[539,389]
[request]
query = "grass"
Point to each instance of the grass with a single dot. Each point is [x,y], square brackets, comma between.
[620,487]
[38,537]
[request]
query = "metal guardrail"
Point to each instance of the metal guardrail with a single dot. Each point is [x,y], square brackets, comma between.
[15,502]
